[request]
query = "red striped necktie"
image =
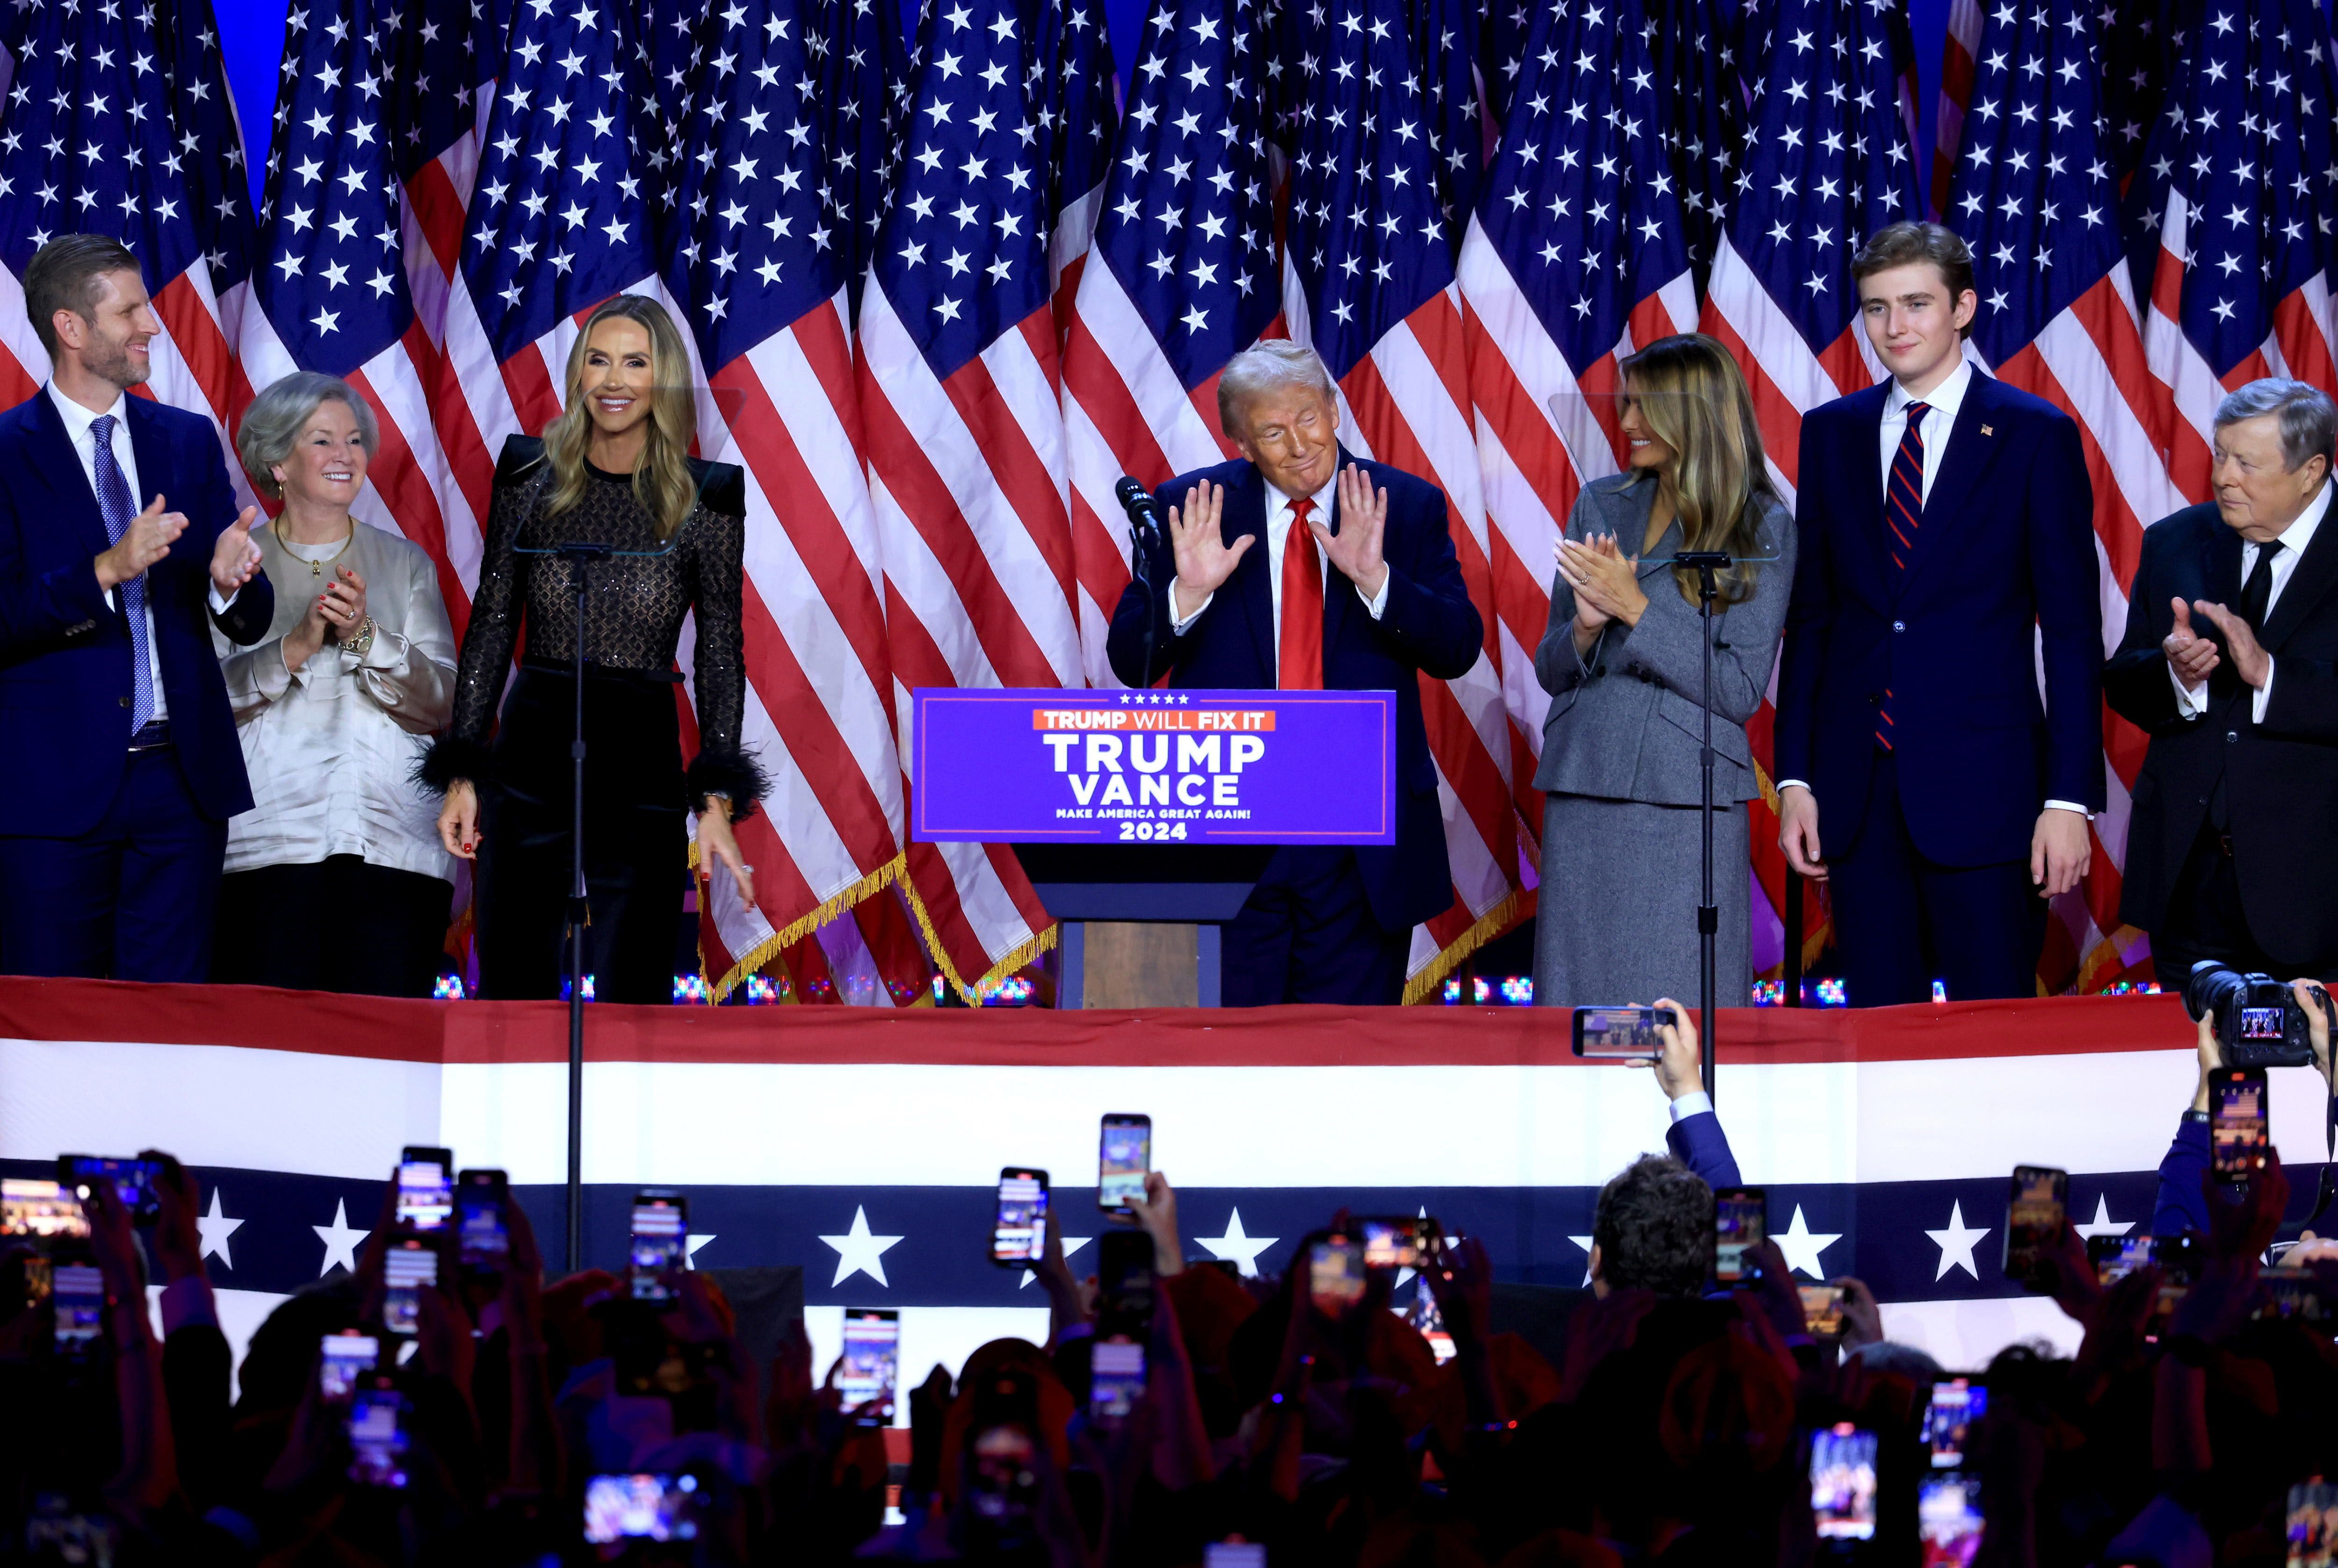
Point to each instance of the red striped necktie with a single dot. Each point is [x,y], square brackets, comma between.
[1903,515]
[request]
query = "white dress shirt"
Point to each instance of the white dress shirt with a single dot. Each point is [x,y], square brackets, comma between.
[1942,402]
[1277,534]
[2191,701]
[78,423]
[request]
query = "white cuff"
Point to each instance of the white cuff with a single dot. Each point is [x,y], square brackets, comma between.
[1378,601]
[2191,701]
[2069,805]
[219,605]
[1178,629]
[2265,695]
[1785,784]
[1693,1104]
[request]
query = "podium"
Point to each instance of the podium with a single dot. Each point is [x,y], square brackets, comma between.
[1141,922]
[1144,819]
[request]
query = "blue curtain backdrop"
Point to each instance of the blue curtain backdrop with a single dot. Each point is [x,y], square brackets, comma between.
[251,34]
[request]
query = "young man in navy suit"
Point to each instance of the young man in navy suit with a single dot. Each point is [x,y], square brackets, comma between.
[1947,532]
[120,549]
[1356,588]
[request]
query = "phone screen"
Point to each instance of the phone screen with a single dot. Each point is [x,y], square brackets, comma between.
[41,1210]
[660,1244]
[78,1291]
[1619,1033]
[1396,1243]
[1949,1519]
[343,1359]
[2036,1202]
[1116,1379]
[408,1265]
[2237,1136]
[1019,1234]
[1234,1554]
[639,1508]
[1957,1405]
[872,1359]
[1123,1155]
[425,1190]
[1822,1310]
[1741,1222]
[482,1239]
[1335,1275]
[376,1428]
[2312,1525]
[133,1180]
[1843,1482]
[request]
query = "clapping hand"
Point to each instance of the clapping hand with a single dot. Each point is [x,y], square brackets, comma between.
[343,603]
[2191,656]
[1606,582]
[147,540]
[234,558]
[1204,560]
[2250,661]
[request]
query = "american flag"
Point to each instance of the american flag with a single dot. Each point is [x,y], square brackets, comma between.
[1182,277]
[862,67]
[2036,196]
[757,252]
[1368,280]
[330,290]
[2239,185]
[1575,254]
[219,193]
[1828,160]
[1003,151]
[1700,110]
[89,144]
[1444,41]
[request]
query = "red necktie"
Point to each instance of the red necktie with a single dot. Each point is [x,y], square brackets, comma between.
[1299,664]
[1903,514]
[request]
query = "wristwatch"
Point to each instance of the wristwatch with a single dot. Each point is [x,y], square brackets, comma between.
[360,642]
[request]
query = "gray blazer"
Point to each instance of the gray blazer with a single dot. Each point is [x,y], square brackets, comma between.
[1625,723]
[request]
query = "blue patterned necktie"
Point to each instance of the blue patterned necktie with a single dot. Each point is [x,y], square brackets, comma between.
[114,503]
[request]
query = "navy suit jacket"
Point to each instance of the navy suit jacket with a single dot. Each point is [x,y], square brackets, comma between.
[65,655]
[2006,552]
[1698,1142]
[1428,627]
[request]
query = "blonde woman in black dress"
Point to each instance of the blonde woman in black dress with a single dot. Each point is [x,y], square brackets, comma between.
[612,469]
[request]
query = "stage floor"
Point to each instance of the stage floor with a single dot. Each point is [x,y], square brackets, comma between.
[864,1144]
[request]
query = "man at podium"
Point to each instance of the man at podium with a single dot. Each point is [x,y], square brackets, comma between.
[1302,568]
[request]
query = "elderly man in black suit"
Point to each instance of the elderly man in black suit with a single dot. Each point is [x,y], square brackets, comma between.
[2230,663]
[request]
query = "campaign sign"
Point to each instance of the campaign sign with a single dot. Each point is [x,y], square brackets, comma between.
[1051,766]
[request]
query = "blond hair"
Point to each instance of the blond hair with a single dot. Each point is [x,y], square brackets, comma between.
[662,479]
[1693,398]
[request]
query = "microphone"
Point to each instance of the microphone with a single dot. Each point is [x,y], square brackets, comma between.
[1137,502]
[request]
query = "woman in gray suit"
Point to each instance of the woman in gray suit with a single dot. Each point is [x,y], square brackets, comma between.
[1623,664]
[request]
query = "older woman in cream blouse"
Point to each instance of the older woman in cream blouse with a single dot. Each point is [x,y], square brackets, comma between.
[336,880]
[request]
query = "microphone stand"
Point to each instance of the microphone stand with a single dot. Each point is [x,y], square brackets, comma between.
[1708,913]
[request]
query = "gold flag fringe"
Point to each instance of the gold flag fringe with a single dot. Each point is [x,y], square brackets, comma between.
[752,960]
[1491,924]
[1022,954]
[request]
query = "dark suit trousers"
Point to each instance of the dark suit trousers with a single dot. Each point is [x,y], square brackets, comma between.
[2206,919]
[1307,935]
[131,899]
[1901,920]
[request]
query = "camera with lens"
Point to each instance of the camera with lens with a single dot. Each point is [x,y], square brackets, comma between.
[2259,1022]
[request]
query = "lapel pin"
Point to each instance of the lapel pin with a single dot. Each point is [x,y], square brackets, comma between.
[1987,431]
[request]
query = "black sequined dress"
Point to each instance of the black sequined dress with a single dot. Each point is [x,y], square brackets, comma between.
[637,789]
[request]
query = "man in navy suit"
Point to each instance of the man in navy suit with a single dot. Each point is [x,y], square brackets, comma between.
[1356,588]
[119,762]
[1946,524]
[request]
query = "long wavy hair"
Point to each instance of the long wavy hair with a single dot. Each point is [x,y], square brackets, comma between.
[662,479]
[1693,396]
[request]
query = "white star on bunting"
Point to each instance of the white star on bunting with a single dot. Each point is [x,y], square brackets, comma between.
[216,1228]
[1956,1243]
[1801,1246]
[1237,1249]
[858,1252]
[342,1241]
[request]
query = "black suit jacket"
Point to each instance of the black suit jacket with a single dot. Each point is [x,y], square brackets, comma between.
[1428,627]
[2280,777]
[65,655]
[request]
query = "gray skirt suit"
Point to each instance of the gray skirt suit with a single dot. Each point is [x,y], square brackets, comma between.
[1617,921]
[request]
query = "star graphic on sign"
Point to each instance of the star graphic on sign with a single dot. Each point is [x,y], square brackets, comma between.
[1071,1244]
[216,1228]
[690,1255]
[1584,1242]
[858,1252]
[1956,1243]
[2102,1224]
[1801,1246]
[340,1242]
[1237,1249]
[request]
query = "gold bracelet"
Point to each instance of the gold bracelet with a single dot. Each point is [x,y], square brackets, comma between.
[359,642]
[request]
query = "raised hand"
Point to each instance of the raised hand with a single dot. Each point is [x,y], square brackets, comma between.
[146,540]
[1204,561]
[1355,549]
[2250,661]
[234,558]
[2191,656]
